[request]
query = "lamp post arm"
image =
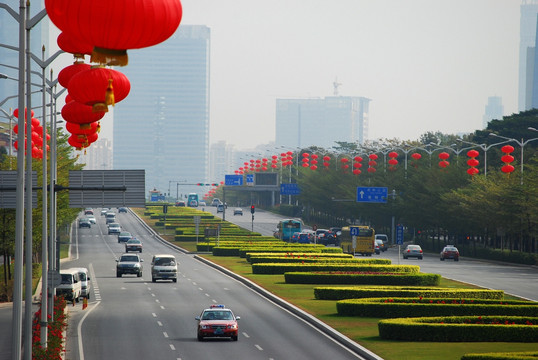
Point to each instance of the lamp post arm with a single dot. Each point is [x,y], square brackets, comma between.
[37,18]
[43,64]
[11,12]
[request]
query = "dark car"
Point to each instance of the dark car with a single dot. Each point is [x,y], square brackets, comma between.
[326,237]
[450,252]
[382,245]
[217,321]
[122,210]
[84,223]
[129,264]
[124,236]
[180,203]
[413,251]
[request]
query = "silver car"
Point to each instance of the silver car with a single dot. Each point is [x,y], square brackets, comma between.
[163,267]
[413,251]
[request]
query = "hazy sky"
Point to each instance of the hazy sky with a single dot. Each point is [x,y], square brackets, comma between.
[427,65]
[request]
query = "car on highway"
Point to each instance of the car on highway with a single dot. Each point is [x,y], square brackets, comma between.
[122,210]
[129,264]
[124,236]
[181,203]
[412,251]
[104,211]
[238,211]
[163,267]
[84,222]
[217,321]
[381,244]
[92,219]
[384,238]
[220,207]
[295,237]
[377,250]
[215,202]
[202,203]
[133,244]
[326,237]
[450,252]
[306,237]
[88,211]
[114,228]
[110,217]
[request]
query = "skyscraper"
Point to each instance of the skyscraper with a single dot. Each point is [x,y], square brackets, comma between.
[527,38]
[321,122]
[494,110]
[163,125]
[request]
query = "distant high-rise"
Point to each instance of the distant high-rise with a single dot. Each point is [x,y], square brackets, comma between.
[527,39]
[321,122]
[163,125]
[494,110]
[221,161]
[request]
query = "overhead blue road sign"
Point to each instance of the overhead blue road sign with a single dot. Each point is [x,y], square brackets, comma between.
[233,180]
[289,189]
[250,179]
[399,235]
[372,194]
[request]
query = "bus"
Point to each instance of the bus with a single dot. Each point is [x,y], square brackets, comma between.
[287,227]
[364,242]
[192,200]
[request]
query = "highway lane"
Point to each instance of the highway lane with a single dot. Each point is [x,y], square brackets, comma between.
[133,318]
[519,280]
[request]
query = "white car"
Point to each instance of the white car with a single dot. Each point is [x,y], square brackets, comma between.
[114,228]
[92,219]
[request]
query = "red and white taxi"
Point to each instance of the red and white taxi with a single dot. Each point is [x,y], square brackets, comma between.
[217,321]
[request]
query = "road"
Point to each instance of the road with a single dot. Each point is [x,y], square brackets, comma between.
[133,318]
[513,279]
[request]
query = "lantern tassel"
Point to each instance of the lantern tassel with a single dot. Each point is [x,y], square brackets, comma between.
[98,126]
[109,57]
[109,97]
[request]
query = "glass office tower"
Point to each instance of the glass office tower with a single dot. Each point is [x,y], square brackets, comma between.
[163,124]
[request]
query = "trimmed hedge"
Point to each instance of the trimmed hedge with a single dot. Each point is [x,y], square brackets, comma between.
[309,260]
[363,265]
[357,292]
[412,307]
[297,255]
[521,355]
[461,329]
[363,279]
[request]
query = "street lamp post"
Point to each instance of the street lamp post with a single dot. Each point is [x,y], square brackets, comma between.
[484,148]
[521,145]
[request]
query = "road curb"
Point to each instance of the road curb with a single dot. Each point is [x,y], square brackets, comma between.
[321,326]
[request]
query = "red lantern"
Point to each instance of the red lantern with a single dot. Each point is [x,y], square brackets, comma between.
[313,167]
[358,159]
[505,149]
[114,27]
[356,171]
[327,158]
[73,46]
[305,155]
[357,165]
[371,170]
[393,162]
[416,156]
[444,156]
[67,73]
[344,160]
[16,113]
[443,164]
[314,156]
[507,158]
[79,113]
[472,162]
[372,163]
[79,129]
[99,87]
[507,169]
[472,153]
[372,157]
[472,171]
[393,154]
[326,164]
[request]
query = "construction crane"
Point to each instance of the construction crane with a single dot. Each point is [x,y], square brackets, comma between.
[336,84]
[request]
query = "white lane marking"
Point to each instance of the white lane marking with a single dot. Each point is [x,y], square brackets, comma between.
[79,330]
[246,335]
[165,334]
[159,323]
[157,301]
[153,314]
[153,295]
[94,283]
[214,301]
[172,347]
[258,347]
[206,294]
[162,307]
[200,289]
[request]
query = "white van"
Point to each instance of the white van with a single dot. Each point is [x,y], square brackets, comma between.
[84,279]
[110,217]
[163,266]
[71,286]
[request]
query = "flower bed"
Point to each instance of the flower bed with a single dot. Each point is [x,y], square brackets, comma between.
[461,329]
[362,265]
[362,278]
[411,307]
[358,292]
[56,327]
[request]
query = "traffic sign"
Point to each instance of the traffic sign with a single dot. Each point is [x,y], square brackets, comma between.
[233,180]
[54,278]
[399,235]
[372,194]
[354,231]
[250,179]
[289,189]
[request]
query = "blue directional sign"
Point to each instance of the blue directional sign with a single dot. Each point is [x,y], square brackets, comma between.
[354,231]
[233,180]
[250,179]
[372,194]
[399,235]
[289,189]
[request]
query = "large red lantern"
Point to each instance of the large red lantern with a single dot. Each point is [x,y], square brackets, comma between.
[67,73]
[507,159]
[79,129]
[416,156]
[79,113]
[507,149]
[73,46]
[99,87]
[472,162]
[114,27]
[444,156]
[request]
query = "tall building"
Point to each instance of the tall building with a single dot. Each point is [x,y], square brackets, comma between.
[527,39]
[320,122]
[221,161]
[163,124]
[494,110]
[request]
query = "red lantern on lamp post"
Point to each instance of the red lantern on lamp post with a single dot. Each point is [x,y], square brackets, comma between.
[472,162]
[507,159]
